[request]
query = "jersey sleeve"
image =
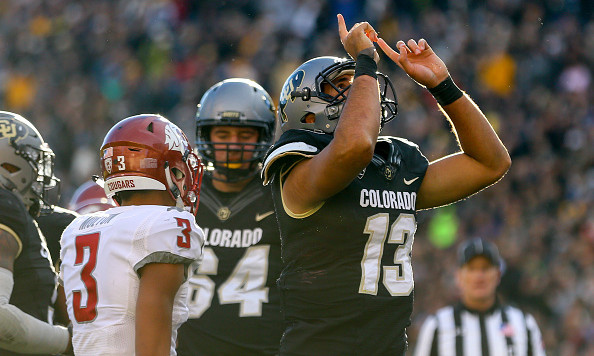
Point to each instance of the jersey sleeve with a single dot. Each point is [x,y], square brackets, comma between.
[291,147]
[13,217]
[412,157]
[173,238]
[425,340]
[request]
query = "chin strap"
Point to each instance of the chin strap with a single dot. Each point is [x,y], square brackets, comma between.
[179,203]
[172,187]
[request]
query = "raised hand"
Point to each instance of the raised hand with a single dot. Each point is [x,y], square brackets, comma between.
[418,61]
[361,36]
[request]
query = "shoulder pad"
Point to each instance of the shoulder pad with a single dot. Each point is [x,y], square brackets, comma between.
[409,153]
[13,212]
[293,146]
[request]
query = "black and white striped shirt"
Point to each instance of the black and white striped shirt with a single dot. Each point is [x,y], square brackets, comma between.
[501,331]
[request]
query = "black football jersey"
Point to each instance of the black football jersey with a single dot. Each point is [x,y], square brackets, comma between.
[52,226]
[33,273]
[347,288]
[233,298]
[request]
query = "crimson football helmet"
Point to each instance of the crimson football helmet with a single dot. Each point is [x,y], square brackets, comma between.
[89,198]
[302,95]
[26,163]
[149,152]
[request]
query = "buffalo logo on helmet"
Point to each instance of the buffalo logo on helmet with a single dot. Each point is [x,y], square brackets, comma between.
[12,130]
[290,85]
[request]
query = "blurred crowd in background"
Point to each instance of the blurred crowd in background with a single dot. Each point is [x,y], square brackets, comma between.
[74,68]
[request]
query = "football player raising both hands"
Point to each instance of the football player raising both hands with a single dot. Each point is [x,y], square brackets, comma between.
[346,198]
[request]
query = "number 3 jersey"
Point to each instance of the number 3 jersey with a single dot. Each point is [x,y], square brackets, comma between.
[101,254]
[347,288]
[234,302]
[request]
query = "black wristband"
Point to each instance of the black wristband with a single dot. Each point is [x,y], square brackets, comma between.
[365,65]
[446,92]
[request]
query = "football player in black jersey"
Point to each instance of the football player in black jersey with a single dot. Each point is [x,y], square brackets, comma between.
[346,199]
[234,301]
[27,277]
[52,226]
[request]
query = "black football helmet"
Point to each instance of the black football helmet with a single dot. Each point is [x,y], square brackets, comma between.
[302,95]
[26,163]
[235,102]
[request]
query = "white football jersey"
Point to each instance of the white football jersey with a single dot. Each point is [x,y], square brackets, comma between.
[101,254]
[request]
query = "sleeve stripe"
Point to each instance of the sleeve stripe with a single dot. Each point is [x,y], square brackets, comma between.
[293,148]
[287,210]
[16,237]
[162,257]
[275,156]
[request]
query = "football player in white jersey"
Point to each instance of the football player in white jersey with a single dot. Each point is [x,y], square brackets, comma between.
[124,269]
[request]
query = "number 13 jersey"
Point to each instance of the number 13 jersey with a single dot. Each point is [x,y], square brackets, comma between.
[347,287]
[101,254]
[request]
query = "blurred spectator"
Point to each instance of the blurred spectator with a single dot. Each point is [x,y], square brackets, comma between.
[75,67]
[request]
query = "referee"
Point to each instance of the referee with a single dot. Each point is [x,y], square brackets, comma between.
[479,324]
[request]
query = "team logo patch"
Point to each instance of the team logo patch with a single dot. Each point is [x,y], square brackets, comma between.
[389,172]
[12,130]
[223,213]
[108,165]
[290,85]
[173,138]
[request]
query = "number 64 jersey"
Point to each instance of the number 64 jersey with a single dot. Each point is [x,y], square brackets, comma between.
[101,254]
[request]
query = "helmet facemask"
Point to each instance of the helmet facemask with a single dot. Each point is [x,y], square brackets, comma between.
[303,94]
[185,183]
[27,165]
[45,189]
[240,160]
[240,103]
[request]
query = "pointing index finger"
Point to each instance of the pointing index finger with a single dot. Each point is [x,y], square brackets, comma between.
[342,30]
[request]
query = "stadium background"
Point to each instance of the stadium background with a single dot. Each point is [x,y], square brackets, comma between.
[75,67]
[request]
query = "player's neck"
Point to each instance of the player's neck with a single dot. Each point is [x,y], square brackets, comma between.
[231,187]
[150,197]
